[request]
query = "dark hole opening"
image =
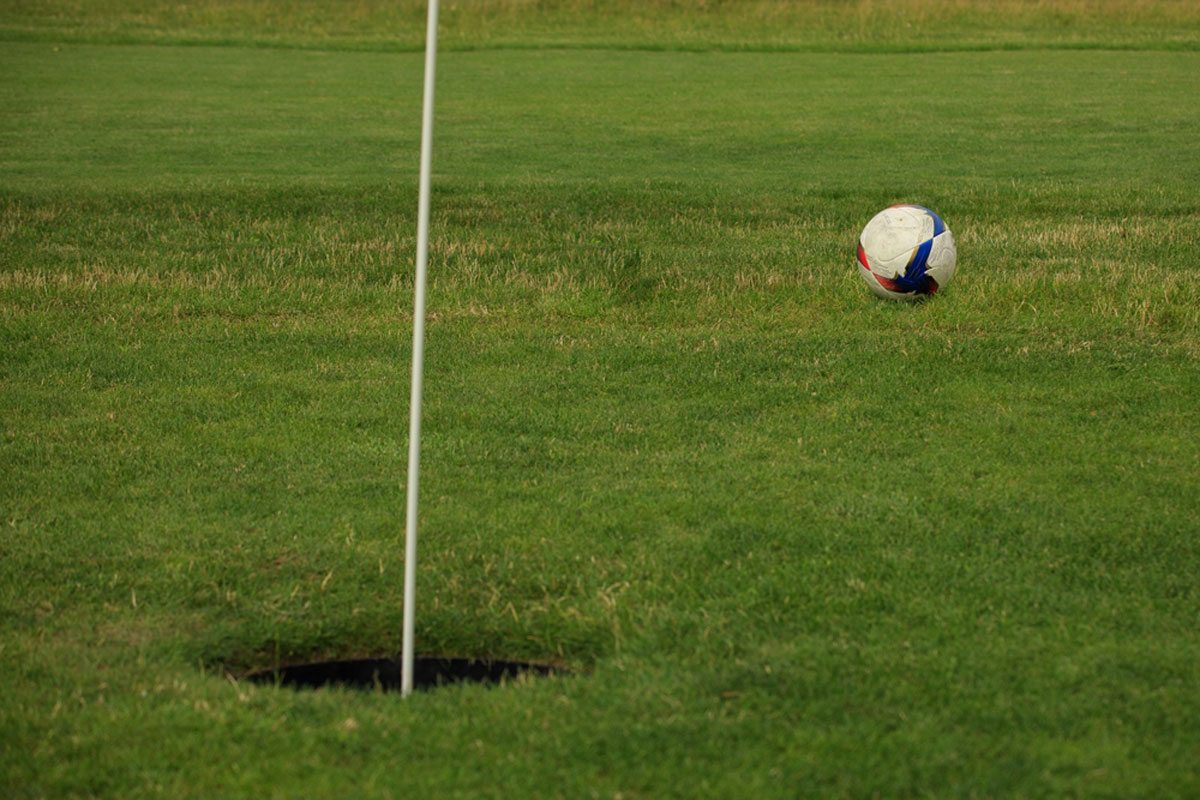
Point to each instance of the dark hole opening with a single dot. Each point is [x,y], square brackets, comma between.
[383,674]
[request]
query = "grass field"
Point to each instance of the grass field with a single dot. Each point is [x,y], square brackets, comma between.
[791,540]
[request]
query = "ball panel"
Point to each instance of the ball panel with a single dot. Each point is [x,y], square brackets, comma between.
[942,258]
[893,233]
[938,224]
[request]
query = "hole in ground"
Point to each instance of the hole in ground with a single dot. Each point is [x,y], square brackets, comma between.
[383,674]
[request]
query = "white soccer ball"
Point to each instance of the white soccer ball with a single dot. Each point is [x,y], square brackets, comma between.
[906,253]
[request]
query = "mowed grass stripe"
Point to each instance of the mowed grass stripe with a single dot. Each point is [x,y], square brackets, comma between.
[787,121]
[660,25]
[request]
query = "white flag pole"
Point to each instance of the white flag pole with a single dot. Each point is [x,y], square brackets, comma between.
[418,353]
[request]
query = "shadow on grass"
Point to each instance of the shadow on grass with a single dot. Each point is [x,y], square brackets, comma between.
[384,674]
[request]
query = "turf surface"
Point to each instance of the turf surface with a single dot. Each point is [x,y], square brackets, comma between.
[793,540]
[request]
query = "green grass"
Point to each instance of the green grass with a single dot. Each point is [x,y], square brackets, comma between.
[822,25]
[794,541]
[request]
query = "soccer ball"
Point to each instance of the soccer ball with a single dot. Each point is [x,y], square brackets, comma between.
[906,253]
